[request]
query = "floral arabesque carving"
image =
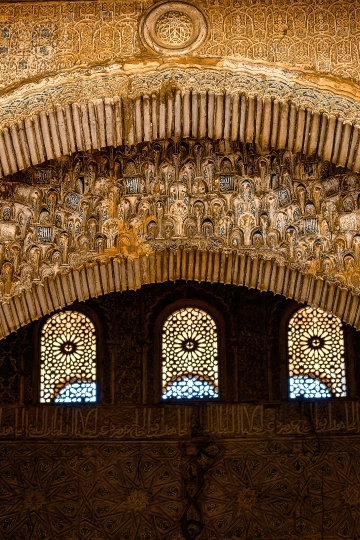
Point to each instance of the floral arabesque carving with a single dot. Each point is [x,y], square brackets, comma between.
[190,195]
[65,89]
[174,28]
[40,38]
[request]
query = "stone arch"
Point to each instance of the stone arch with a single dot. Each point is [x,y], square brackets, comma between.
[110,274]
[216,104]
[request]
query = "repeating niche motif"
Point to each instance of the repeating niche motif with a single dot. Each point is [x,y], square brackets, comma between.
[316,354]
[190,355]
[195,194]
[68,359]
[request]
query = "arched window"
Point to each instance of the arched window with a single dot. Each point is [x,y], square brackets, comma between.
[316,355]
[68,359]
[189,350]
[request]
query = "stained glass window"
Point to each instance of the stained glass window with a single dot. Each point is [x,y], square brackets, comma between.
[68,359]
[316,355]
[189,355]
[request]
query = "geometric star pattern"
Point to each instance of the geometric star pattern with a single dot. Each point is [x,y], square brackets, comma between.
[284,490]
[279,489]
[97,491]
[316,354]
[189,355]
[68,358]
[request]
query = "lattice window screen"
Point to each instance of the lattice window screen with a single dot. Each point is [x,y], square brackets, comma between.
[316,355]
[189,355]
[68,359]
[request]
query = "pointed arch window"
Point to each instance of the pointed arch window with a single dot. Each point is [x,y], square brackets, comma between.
[68,359]
[189,351]
[316,354]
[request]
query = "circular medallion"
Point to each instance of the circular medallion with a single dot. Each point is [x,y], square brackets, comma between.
[174,28]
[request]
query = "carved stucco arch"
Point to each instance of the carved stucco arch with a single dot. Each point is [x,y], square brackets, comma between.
[62,115]
[136,207]
[234,111]
[111,274]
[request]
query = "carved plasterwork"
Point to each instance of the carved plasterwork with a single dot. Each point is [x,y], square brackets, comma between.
[78,87]
[174,28]
[193,195]
[42,38]
[204,488]
[177,102]
[180,422]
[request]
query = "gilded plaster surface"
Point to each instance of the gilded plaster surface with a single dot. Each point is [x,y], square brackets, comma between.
[178,103]
[190,197]
[40,38]
[141,79]
[129,176]
[229,127]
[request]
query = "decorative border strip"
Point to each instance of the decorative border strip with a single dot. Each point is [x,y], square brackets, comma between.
[81,86]
[180,422]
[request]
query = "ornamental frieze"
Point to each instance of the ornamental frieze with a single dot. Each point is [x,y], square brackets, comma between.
[77,87]
[222,421]
[42,38]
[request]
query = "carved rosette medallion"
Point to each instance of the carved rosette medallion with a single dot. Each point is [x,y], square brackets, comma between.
[173,28]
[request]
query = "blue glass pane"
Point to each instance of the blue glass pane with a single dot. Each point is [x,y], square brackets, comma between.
[307,387]
[190,388]
[316,352]
[77,393]
[189,355]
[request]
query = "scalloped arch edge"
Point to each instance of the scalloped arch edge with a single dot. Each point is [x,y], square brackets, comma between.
[117,274]
[181,109]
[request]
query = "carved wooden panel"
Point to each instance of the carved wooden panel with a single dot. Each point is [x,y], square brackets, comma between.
[10,369]
[97,491]
[205,489]
[284,490]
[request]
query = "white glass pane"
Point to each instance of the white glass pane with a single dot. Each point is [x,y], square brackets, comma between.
[190,355]
[77,392]
[68,358]
[316,354]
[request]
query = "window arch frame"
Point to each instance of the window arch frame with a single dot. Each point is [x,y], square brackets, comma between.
[88,312]
[349,356]
[221,333]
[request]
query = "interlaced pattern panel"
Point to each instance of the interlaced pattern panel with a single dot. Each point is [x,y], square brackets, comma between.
[68,359]
[190,355]
[174,28]
[316,354]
